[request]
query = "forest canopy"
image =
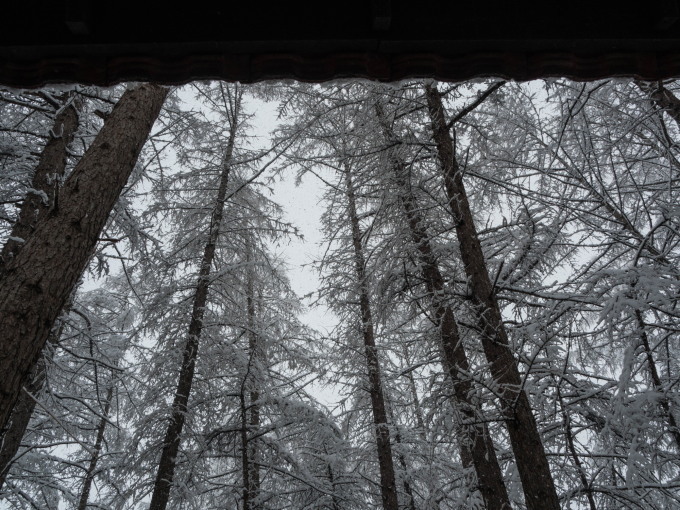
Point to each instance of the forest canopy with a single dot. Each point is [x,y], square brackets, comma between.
[500,262]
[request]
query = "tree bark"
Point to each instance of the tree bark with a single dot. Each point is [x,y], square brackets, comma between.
[51,167]
[23,410]
[37,282]
[173,435]
[476,444]
[532,462]
[44,185]
[388,486]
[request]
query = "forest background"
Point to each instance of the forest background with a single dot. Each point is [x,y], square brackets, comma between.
[487,317]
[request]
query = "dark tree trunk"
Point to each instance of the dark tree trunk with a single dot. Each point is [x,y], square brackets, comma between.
[96,453]
[532,462]
[476,444]
[23,410]
[664,401]
[50,169]
[37,282]
[173,434]
[388,486]
[566,423]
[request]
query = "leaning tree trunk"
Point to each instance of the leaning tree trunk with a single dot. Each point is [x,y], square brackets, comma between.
[173,434]
[388,486]
[50,169]
[476,445]
[37,282]
[532,462]
[23,410]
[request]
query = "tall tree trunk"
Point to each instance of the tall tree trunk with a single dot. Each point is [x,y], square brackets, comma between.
[44,185]
[664,401]
[566,423]
[411,505]
[51,167]
[388,486]
[251,410]
[476,444]
[173,434]
[532,462]
[619,217]
[23,410]
[96,453]
[38,280]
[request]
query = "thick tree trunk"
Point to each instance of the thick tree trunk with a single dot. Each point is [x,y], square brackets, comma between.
[96,453]
[476,445]
[388,486]
[23,410]
[173,435]
[37,282]
[44,185]
[532,462]
[50,169]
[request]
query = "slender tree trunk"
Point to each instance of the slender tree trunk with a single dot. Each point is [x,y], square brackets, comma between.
[411,505]
[331,478]
[418,410]
[91,468]
[251,423]
[38,280]
[532,462]
[173,434]
[672,104]
[388,486]
[476,445]
[44,185]
[664,402]
[566,423]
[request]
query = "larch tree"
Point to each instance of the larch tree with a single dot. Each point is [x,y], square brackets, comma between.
[532,462]
[37,282]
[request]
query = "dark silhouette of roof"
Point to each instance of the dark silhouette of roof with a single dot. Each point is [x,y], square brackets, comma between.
[108,42]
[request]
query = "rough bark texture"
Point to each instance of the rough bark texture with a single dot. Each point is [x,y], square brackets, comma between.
[96,453]
[38,281]
[23,410]
[476,445]
[51,167]
[532,462]
[173,435]
[388,486]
